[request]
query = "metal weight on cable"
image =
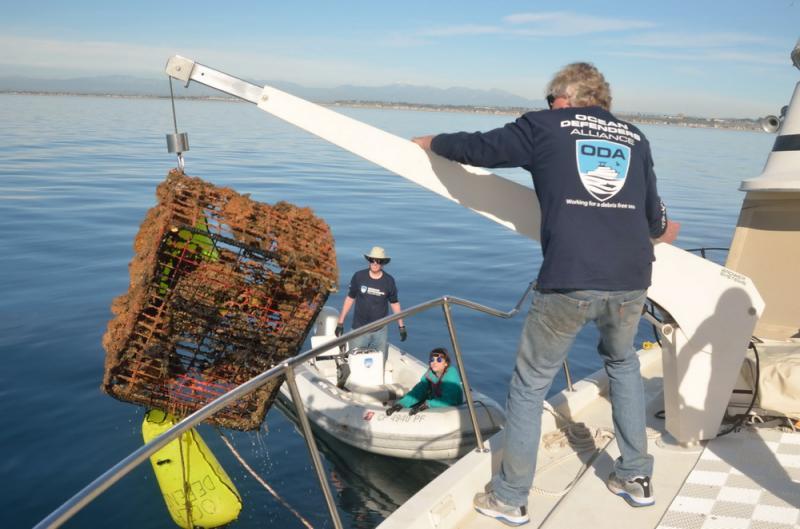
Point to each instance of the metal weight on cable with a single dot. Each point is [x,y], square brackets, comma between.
[177,142]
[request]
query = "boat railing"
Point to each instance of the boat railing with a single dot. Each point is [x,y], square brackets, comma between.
[287,369]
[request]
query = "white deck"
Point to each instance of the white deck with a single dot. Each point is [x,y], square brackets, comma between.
[590,505]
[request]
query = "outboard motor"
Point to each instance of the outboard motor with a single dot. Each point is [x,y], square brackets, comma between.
[326,321]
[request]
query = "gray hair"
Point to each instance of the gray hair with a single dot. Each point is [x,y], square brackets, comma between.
[582,84]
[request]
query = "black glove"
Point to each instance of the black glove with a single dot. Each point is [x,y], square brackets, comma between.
[393,409]
[422,406]
[403,334]
[339,330]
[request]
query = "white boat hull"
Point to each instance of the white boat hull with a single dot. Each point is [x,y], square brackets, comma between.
[356,414]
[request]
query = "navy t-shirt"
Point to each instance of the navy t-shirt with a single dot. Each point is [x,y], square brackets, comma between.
[593,175]
[372,296]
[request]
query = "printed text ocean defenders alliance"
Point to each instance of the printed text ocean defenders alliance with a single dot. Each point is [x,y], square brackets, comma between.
[599,128]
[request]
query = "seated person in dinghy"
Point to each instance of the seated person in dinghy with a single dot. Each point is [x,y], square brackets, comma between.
[439,387]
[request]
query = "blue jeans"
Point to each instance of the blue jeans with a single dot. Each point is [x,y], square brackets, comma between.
[378,340]
[555,318]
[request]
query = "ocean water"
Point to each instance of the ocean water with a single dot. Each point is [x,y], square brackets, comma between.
[77,175]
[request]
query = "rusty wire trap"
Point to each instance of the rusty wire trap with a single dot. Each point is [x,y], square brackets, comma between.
[222,288]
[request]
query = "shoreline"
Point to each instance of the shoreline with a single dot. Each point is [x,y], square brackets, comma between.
[636,118]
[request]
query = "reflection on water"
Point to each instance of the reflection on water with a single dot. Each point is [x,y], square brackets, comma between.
[368,486]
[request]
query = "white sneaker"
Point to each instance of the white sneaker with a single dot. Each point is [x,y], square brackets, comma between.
[637,491]
[487,503]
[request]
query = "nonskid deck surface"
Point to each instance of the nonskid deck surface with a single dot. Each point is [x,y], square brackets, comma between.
[748,480]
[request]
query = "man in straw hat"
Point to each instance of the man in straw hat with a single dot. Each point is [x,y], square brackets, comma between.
[373,291]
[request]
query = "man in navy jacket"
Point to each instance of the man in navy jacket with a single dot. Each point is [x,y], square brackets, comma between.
[373,291]
[593,175]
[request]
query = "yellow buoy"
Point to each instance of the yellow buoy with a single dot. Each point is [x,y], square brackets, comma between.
[196,489]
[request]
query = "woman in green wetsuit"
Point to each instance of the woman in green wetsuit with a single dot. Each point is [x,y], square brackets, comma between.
[440,386]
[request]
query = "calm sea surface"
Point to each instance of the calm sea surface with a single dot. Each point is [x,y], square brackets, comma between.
[77,175]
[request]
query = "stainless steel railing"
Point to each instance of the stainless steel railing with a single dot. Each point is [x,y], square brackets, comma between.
[287,368]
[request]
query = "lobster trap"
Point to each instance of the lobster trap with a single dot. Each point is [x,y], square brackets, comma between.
[222,288]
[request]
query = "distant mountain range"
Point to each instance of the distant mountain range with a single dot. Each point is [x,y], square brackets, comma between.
[394,93]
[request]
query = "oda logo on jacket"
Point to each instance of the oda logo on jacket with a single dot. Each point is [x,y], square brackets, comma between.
[603,166]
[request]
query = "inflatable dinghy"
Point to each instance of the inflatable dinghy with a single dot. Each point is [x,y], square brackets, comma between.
[352,407]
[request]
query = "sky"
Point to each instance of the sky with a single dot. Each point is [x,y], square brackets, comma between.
[701,58]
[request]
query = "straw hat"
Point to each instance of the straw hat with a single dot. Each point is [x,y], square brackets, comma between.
[377,253]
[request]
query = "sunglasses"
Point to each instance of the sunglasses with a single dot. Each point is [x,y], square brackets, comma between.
[550,100]
[436,358]
[377,261]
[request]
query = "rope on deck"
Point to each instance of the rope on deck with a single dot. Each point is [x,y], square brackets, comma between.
[581,439]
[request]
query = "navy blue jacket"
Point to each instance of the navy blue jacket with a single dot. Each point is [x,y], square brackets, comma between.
[373,296]
[593,175]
